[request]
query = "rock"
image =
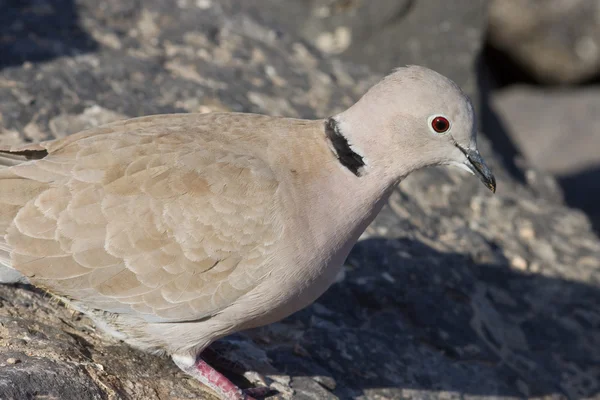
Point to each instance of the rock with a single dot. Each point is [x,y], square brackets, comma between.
[39,30]
[201,59]
[62,356]
[385,34]
[428,306]
[555,41]
[556,130]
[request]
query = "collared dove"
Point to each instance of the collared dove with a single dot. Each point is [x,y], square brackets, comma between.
[171,231]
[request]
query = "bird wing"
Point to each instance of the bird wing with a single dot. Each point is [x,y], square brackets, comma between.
[168,225]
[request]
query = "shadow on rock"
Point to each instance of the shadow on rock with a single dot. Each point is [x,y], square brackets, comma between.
[492,125]
[582,190]
[40,30]
[413,320]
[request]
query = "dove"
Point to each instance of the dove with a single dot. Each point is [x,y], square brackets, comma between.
[172,231]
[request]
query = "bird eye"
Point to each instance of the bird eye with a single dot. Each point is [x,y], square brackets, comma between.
[440,124]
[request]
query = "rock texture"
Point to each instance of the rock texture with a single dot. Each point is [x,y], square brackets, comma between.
[555,41]
[557,132]
[385,34]
[452,293]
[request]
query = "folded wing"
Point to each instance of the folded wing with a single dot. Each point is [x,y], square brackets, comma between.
[169,226]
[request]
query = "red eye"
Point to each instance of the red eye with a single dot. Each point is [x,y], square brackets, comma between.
[440,124]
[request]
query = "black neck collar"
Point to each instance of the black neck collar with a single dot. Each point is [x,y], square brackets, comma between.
[345,155]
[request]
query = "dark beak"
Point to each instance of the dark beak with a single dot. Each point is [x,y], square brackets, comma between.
[477,165]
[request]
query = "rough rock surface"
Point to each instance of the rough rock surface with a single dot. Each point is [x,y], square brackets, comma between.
[385,34]
[452,293]
[557,131]
[555,41]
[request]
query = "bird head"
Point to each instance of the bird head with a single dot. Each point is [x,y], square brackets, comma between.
[414,118]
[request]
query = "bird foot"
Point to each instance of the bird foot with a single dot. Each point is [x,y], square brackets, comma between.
[216,381]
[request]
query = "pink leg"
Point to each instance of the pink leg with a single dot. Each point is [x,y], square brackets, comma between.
[212,378]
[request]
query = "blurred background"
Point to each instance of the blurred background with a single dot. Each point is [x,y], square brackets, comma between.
[453,292]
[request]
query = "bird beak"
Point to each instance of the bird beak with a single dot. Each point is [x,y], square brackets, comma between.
[478,167]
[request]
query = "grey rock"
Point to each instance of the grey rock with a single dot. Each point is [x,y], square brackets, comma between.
[62,356]
[39,30]
[451,293]
[555,41]
[557,131]
[384,34]
[494,128]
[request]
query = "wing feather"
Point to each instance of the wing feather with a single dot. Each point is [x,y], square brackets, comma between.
[169,226]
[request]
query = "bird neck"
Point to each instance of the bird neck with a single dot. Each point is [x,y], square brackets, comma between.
[366,136]
[342,149]
[355,195]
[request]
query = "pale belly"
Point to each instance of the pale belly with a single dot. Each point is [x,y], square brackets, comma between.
[291,287]
[293,293]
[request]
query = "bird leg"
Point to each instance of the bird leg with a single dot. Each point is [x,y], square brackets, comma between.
[213,355]
[207,375]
